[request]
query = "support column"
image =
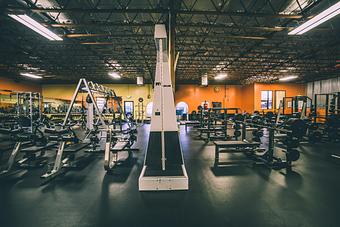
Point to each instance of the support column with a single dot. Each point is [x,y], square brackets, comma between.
[172,38]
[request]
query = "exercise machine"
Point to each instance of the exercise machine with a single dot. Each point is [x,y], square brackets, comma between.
[266,139]
[163,167]
[69,143]
[118,148]
[32,145]
[325,124]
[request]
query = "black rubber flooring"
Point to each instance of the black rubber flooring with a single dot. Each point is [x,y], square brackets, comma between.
[234,196]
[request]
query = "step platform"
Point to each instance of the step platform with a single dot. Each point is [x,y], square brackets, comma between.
[159,180]
[174,177]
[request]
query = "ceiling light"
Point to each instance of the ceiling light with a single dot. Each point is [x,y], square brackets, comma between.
[317,20]
[31,75]
[35,26]
[288,78]
[221,76]
[115,75]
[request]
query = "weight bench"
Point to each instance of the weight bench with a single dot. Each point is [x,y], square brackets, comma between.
[30,154]
[65,154]
[232,147]
[114,145]
[25,144]
[111,158]
[212,133]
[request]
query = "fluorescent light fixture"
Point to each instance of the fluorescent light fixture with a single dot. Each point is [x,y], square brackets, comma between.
[221,76]
[31,75]
[115,75]
[204,80]
[288,78]
[35,26]
[317,20]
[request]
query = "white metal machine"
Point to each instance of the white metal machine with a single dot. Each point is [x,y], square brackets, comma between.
[163,165]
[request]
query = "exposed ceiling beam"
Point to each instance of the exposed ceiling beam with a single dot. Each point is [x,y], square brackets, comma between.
[155,10]
[82,35]
[151,24]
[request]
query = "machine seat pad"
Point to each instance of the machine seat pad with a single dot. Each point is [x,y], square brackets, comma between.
[56,131]
[235,144]
[120,145]
[76,147]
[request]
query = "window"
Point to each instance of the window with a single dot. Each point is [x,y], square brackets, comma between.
[279,95]
[266,100]
[128,107]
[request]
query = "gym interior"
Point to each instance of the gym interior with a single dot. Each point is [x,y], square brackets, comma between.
[169,113]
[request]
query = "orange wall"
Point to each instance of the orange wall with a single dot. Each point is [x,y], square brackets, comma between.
[8,84]
[194,95]
[247,98]
[290,88]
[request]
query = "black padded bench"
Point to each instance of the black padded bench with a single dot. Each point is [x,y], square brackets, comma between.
[232,147]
